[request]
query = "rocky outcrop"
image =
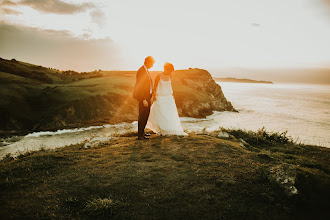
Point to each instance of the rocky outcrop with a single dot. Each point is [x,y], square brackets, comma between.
[197,94]
[285,175]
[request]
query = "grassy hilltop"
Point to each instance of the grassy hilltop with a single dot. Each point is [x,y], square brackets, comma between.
[215,175]
[36,98]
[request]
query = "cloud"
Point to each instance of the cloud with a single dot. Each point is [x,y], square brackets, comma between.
[98,17]
[57,14]
[327,4]
[324,6]
[5,7]
[8,3]
[255,24]
[51,6]
[9,11]
[58,49]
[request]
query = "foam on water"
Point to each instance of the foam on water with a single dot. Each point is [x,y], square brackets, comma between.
[60,138]
[49,133]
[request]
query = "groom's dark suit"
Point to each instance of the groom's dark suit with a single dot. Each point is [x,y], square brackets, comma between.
[143,91]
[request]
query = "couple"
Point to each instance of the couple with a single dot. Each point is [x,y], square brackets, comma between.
[161,116]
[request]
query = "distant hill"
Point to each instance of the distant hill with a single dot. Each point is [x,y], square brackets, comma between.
[308,75]
[235,80]
[35,98]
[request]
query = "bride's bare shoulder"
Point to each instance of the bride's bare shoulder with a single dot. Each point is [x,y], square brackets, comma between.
[164,77]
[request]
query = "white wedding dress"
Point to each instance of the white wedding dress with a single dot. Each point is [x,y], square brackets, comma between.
[164,118]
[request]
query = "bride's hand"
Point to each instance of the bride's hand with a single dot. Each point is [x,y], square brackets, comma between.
[145,103]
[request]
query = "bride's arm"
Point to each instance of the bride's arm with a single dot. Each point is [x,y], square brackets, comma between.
[154,93]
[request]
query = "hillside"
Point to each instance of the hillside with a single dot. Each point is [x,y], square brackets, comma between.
[36,98]
[216,175]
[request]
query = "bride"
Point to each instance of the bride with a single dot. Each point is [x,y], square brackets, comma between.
[164,118]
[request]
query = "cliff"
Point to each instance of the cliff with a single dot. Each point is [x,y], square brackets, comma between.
[219,175]
[35,98]
[197,94]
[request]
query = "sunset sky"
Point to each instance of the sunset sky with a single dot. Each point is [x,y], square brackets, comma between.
[212,34]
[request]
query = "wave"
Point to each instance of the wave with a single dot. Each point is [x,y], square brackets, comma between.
[63,131]
[76,130]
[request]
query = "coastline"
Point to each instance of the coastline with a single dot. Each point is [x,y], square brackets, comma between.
[34,141]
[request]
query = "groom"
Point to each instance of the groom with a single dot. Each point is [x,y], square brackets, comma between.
[143,93]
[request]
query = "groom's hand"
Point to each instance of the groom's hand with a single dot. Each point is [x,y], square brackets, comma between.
[145,103]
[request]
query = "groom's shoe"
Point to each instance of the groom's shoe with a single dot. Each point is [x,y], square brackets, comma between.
[146,137]
[143,137]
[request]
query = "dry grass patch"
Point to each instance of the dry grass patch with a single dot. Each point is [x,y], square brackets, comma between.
[198,176]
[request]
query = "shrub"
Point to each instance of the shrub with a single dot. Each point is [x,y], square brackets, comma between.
[262,137]
[70,72]
[8,69]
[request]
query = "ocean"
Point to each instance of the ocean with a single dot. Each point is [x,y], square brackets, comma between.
[301,109]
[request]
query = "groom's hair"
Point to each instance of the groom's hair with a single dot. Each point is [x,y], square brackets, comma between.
[169,66]
[149,59]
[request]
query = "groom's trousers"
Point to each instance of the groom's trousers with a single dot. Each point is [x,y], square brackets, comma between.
[143,117]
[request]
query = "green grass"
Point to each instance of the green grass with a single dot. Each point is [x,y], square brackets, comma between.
[199,176]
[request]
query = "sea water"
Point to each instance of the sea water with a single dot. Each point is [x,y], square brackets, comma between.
[301,109]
